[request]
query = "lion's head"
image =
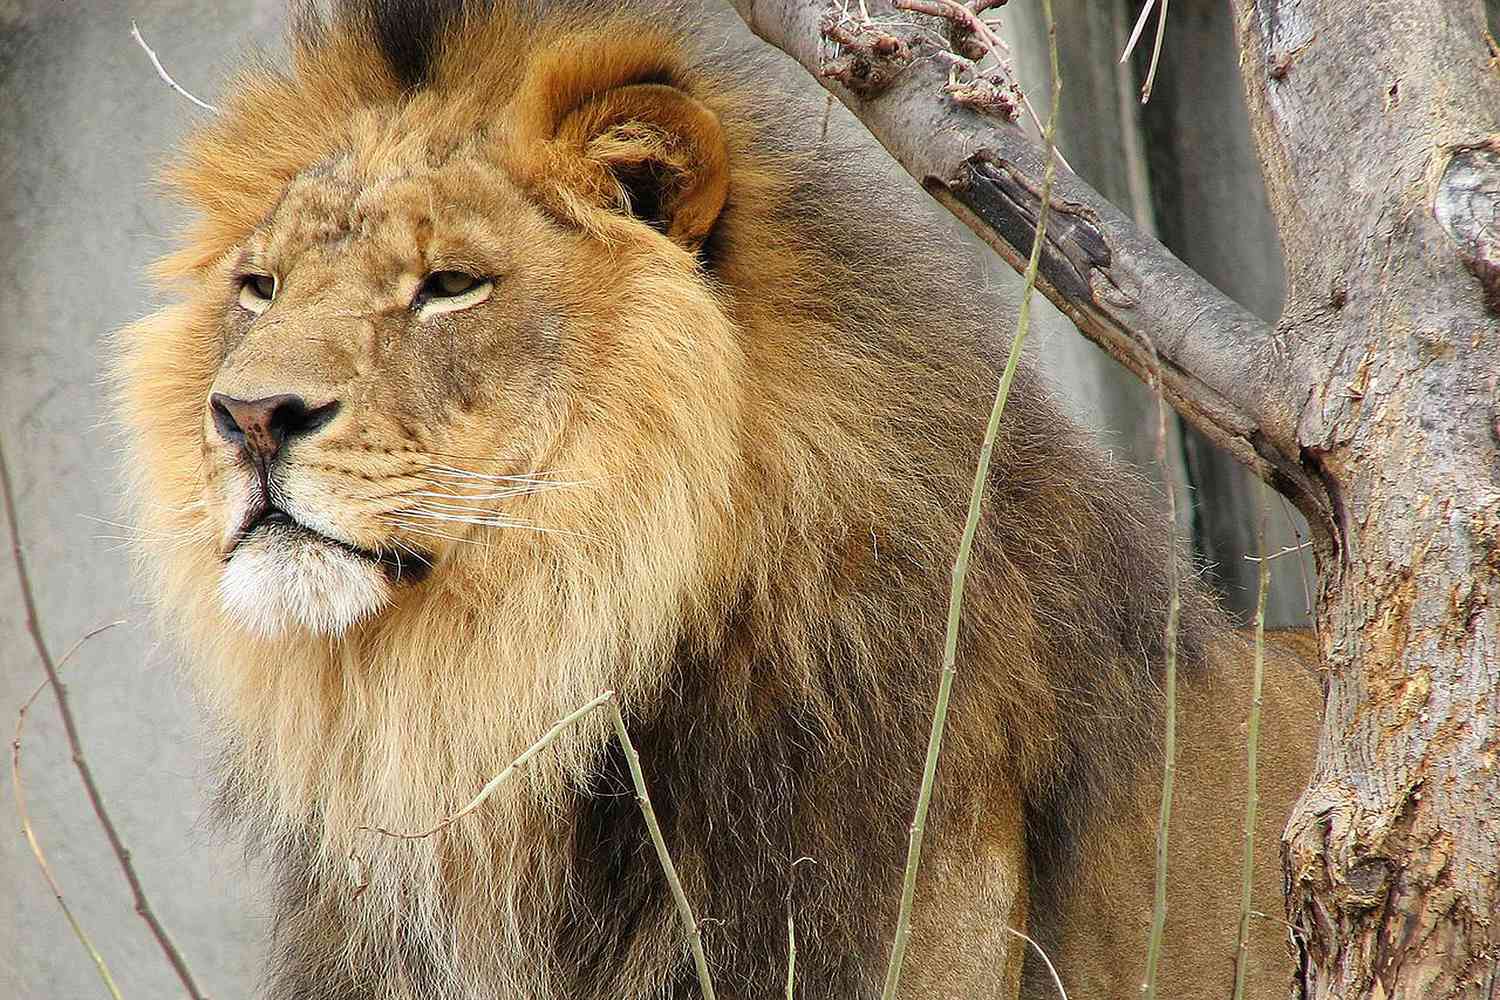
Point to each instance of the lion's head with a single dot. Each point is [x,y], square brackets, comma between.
[423,335]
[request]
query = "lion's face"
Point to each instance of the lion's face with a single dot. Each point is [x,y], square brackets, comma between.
[443,341]
[395,376]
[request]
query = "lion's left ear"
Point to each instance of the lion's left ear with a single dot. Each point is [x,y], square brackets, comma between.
[648,149]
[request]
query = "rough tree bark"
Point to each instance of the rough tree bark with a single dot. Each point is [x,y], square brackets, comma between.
[1374,405]
[1378,124]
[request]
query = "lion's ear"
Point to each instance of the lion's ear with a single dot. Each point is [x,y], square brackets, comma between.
[601,138]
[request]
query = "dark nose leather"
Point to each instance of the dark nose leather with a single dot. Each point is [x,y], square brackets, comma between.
[262,426]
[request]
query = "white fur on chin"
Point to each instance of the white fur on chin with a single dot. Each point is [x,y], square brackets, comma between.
[276,580]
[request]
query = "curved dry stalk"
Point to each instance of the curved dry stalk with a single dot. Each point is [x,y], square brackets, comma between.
[791,952]
[75,744]
[1135,36]
[161,70]
[29,832]
[1169,707]
[1056,979]
[966,545]
[505,775]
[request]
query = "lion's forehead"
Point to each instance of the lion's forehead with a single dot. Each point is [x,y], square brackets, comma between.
[396,216]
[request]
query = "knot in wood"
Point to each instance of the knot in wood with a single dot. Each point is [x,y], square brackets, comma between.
[869,56]
[989,94]
[1467,206]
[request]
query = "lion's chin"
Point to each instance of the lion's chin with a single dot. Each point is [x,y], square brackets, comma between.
[279,581]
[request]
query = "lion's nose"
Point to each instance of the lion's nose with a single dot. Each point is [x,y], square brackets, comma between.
[262,426]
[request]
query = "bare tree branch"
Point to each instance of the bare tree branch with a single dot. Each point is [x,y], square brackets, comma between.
[80,761]
[1222,368]
[18,788]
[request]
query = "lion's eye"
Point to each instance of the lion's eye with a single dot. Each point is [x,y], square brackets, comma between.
[446,284]
[450,291]
[257,291]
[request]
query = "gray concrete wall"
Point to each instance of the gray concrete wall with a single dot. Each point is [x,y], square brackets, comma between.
[83,122]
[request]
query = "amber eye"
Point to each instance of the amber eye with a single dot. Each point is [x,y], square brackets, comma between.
[257,291]
[450,291]
[446,284]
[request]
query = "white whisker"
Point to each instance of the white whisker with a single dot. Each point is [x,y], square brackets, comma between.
[415,530]
[490,521]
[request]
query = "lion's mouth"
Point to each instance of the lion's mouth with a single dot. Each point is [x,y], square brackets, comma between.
[408,566]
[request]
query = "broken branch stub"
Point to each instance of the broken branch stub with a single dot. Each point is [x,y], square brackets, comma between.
[1467,206]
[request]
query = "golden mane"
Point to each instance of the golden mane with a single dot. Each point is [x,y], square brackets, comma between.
[777,434]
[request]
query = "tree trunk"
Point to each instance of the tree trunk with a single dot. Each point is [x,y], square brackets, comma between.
[1376,120]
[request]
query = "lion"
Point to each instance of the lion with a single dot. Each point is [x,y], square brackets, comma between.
[526,351]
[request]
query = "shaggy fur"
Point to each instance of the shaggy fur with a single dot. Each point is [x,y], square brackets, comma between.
[708,443]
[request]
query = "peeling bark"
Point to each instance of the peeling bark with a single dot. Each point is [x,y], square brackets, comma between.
[1374,405]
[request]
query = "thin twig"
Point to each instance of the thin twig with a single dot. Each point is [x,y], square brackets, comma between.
[791,929]
[643,799]
[505,775]
[161,70]
[684,909]
[1161,34]
[1135,33]
[1285,550]
[966,543]
[30,833]
[1301,563]
[1252,748]
[1056,979]
[80,761]
[791,951]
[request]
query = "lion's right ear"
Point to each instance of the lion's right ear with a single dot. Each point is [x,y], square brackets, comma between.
[604,126]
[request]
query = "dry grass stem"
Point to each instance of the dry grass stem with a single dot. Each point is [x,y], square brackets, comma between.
[1285,550]
[1307,597]
[1135,35]
[643,798]
[509,772]
[966,544]
[161,70]
[1252,748]
[1140,25]
[791,952]
[18,788]
[80,760]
